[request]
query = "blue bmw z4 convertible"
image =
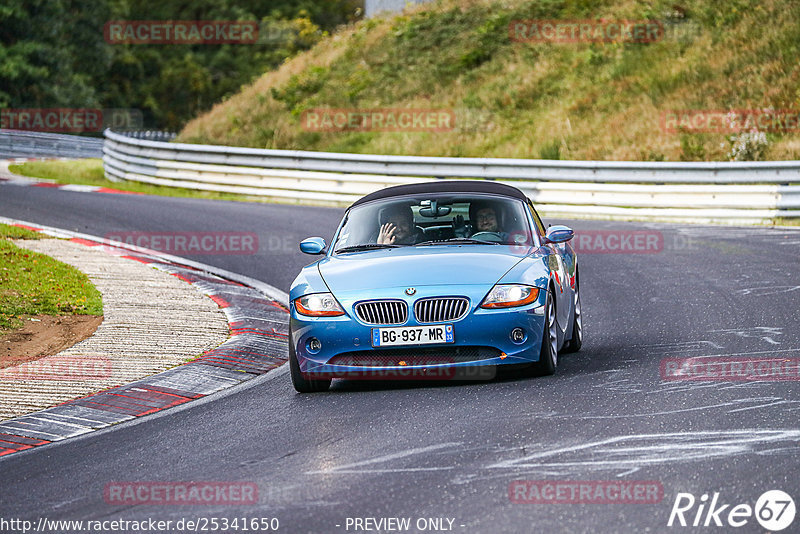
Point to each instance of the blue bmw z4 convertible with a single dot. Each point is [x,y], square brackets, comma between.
[439,280]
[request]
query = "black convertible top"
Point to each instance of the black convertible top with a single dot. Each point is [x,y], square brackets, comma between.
[445,186]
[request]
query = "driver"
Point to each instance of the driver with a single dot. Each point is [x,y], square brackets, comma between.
[486,220]
[397,226]
[484,217]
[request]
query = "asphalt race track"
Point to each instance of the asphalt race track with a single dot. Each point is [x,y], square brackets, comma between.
[443,450]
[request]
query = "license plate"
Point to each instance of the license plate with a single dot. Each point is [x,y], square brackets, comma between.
[412,335]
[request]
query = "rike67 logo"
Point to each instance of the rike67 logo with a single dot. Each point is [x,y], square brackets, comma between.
[774,510]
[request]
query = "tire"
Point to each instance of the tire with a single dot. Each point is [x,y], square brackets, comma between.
[548,356]
[300,383]
[575,343]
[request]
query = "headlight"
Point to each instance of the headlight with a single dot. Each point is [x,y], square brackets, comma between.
[510,295]
[318,305]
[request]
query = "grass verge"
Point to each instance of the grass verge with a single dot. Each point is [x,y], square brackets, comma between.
[35,284]
[90,172]
[15,232]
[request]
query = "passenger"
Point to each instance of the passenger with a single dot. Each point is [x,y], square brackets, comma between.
[397,226]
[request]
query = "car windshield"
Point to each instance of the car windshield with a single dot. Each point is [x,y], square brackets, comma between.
[434,219]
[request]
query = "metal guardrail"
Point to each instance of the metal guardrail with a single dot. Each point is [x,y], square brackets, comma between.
[152,135]
[27,144]
[700,192]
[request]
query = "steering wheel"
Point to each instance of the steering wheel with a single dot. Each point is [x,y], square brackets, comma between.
[494,237]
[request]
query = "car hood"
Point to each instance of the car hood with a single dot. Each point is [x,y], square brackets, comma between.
[420,266]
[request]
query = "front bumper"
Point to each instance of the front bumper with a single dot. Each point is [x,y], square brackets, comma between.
[482,340]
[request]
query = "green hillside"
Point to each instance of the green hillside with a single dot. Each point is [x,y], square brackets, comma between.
[584,100]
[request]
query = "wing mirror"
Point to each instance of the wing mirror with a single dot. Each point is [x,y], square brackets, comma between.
[313,245]
[559,234]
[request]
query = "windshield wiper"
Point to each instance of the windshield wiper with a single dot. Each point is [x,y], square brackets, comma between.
[365,246]
[466,240]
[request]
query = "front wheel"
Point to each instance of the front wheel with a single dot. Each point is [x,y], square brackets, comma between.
[300,383]
[548,353]
[548,356]
[575,343]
